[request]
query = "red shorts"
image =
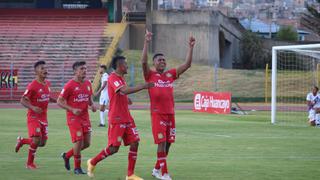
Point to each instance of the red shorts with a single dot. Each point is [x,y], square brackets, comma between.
[78,127]
[163,128]
[125,131]
[37,128]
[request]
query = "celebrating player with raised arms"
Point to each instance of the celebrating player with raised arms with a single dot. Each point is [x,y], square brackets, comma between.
[121,124]
[162,102]
[36,99]
[76,97]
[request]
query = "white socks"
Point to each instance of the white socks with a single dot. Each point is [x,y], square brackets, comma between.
[102,116]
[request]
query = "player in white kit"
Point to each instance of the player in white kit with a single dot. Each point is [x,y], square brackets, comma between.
[313,102]
[104,98]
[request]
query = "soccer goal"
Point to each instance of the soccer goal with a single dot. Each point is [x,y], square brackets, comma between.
[295,69]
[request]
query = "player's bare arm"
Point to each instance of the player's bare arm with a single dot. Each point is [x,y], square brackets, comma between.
[62,103]
[92,105]
[26,103]
[144,57]
[129,101]
[130,90]
[100,89]
[187,64]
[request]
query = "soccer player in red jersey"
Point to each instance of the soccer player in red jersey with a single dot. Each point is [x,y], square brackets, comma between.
[162,102]
[36,99]
[121,124]
[75,97]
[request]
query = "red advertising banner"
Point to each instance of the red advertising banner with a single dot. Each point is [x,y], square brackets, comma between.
[212,102]
[8,79]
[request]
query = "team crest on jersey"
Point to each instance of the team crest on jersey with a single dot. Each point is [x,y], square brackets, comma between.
[160,135]
[40,90]
[116,83]
[119,139]
[76,89]
[37,130]
[158,75]
[78,133]
[169,75]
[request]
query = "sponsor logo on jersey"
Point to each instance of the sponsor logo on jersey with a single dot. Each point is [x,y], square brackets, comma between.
[78,133]
[88,87]
[163,84]
[169,75]
[37,130]
[81,98]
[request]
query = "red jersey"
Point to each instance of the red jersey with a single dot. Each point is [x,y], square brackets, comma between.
[39,95]
[118,105]
[77,95]
[161,95]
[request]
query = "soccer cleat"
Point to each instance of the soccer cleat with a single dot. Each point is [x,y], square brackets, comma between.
[101,125]
[90,168]
[156,173]
[166,176]
[19,144]
[31,166]
[66,161]
[79,171]
[133,177]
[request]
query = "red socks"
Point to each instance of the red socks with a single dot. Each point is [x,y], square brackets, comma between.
[32,152]
[162,162]
[77,161]
[69,154]
[26,141]
[102,155]
[132,157]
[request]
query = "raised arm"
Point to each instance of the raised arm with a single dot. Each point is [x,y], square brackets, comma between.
[144,56]
[130,90]
[187,64]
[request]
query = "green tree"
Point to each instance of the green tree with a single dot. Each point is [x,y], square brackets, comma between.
[252,53]
[287,33]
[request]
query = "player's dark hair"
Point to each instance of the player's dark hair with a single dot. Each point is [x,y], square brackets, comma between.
[103,66]
[38,63]
[77,64]
[316,87]
[156,55]
[115,61]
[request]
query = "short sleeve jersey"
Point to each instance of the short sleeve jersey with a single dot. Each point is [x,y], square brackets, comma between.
[104,78]
[161,95]
[77,95]
[315,99]
[118,102]
[39,95]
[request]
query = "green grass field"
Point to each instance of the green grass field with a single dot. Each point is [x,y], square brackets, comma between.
[207,147]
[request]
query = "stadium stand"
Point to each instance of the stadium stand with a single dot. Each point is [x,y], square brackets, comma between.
[57,36]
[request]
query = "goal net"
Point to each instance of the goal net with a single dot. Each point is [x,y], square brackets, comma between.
[295,69]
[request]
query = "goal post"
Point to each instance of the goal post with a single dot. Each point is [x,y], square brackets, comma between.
[295,69]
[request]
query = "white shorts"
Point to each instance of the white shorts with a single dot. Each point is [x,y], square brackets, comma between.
[312,115]
[104,100]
